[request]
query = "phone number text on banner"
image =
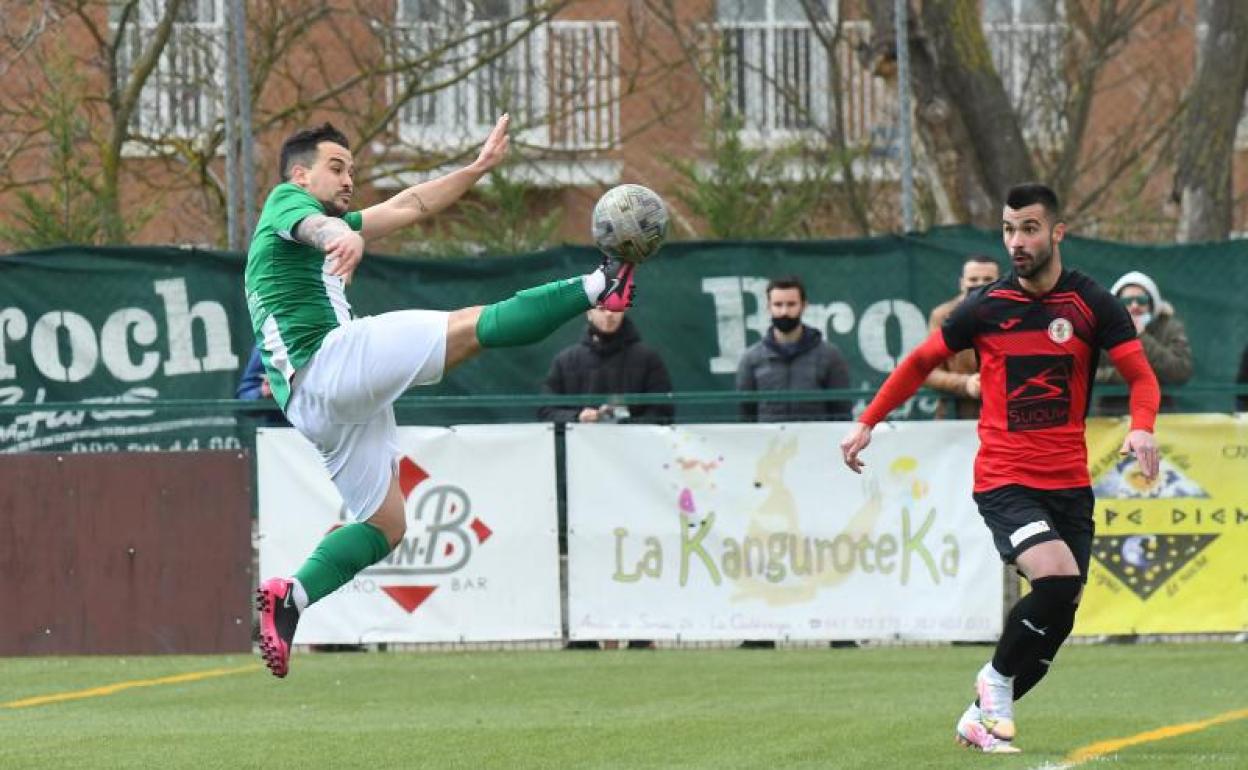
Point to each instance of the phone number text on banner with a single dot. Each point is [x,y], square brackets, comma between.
[720,532]
[480,559]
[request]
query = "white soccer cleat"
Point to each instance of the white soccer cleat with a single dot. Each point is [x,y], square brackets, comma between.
[974,734]
[996,702]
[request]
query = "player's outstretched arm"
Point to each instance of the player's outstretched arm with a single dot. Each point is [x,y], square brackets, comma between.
[334,237]
[900,385]
[1145,399]
[428,198]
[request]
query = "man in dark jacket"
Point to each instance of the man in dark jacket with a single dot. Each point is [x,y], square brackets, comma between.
[792,356]
[610,358]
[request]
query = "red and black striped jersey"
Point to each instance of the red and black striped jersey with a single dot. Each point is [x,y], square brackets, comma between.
[1038,358]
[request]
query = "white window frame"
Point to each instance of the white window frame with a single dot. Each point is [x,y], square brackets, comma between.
[1012,43]
[570,66]
[766,62]
[182,98]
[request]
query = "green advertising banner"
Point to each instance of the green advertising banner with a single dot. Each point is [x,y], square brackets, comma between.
[135,325]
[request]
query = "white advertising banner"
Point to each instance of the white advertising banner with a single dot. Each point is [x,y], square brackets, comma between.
[480,561]
[720,532]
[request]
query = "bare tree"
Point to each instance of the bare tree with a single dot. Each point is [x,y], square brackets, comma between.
[979,140]
[1203,178]
[411,83]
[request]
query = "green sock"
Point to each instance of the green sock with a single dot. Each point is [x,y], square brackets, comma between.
[340,555]
[531,315]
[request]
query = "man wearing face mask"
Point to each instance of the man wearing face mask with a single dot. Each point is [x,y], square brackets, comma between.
[1159,331]
[792,356]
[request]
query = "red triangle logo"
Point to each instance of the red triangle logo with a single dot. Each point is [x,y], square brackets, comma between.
[409,597]
[410,475]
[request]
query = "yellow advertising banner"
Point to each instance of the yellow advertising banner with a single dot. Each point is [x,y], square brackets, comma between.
[1171,555]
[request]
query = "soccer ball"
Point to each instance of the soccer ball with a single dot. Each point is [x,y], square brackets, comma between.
[630,222]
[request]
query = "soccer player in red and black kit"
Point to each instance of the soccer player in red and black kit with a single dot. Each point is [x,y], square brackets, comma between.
[1038,333]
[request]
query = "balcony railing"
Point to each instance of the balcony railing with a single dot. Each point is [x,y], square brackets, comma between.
[1029,58]
[560,82]
[778,78]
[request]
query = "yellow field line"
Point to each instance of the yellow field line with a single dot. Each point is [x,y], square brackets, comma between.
[1101,748]
[109,689]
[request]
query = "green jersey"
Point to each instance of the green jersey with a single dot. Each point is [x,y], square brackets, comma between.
[294,302]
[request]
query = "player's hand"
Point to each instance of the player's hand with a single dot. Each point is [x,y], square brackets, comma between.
[972,386]
[495,147]
[588,414]
[266,390]
[345,252]
[1142,444]
[854,442]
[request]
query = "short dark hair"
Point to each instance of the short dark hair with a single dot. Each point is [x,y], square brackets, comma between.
[983,259]
[300,147]
[787,282]
[1028,193]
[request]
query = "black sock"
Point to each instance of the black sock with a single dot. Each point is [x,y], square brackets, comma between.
[1033,671]
[1032,620]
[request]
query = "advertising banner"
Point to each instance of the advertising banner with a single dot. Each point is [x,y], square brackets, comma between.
[479,562]
[720,532]
[1170,556]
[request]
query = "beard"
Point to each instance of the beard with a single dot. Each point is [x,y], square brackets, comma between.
[1039,261]
[333,207]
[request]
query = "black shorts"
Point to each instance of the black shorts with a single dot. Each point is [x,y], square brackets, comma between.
[1020,517]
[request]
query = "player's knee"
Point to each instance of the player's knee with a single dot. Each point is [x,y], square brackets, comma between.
[1057,595]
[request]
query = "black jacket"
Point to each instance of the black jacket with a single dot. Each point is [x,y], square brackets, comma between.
[808,364]
[599,364]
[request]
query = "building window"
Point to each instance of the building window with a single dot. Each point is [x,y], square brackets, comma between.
[776,72]
[559,80]
[1027,41]
[182,96]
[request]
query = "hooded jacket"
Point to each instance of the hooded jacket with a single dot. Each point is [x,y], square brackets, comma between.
[1165,346]
[606,364]
[1164,338]
[808,364]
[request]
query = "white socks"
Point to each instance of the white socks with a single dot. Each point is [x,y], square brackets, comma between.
[300,595]
[594,284]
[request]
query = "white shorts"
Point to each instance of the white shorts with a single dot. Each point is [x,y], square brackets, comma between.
[342,400]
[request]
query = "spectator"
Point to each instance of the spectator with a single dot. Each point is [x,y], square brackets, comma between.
[792,356]
[610,358]
[1242,400]
[254,386]
[959,375]
[1160,331]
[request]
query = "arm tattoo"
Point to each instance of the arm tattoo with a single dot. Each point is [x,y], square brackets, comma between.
[318,230]
[420,204]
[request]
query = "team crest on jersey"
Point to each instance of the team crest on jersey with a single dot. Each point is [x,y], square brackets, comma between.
[1060,330]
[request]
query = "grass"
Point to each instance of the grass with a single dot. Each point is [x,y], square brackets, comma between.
[806,708]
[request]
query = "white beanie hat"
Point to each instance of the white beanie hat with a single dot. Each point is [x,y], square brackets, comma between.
[1136,278]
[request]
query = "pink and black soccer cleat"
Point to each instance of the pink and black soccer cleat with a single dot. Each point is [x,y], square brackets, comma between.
[618,295]
[278,618]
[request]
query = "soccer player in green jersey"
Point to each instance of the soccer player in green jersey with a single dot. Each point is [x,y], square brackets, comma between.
[337,376]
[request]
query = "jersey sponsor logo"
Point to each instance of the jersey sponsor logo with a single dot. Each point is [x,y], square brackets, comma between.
[1028,530]
[1037,391]
[1061,330]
